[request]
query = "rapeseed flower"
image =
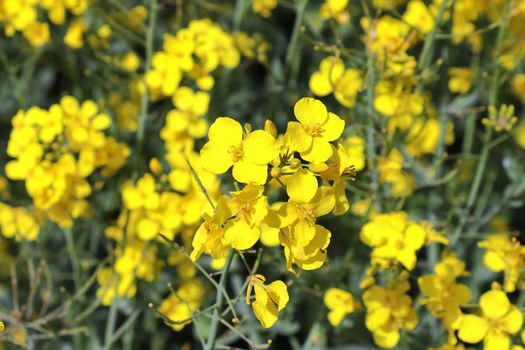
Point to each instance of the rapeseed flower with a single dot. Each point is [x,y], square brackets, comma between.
[269,299]
[311,136]
[499,320]
[248,152]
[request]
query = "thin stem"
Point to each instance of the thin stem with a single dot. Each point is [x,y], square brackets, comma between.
[144,103]
[370,132]
[487,144]
[110,325]
[73,257]
[294,40]
[428,46]
[219,298]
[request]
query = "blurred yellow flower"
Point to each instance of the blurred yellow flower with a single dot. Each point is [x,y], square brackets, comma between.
[340,303]
[504,253]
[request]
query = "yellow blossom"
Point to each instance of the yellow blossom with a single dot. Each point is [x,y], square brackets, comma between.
[502,119]
[499,320]
[264,7]
[332,77]
[504,253]
[269,299]
[394,238]
[248,152]
[183,303]
[311,136]
[388,310]
[460,80]
[340,303]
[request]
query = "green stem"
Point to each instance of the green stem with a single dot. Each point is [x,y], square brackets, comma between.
[110,325]
[370,132]
[428,46]
[73,257]
[238,15]
[219,301]
[493,99]
[294,40]
[487,144]
[144,103]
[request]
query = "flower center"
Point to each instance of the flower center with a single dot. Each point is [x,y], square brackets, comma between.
[315,130]
[236,152]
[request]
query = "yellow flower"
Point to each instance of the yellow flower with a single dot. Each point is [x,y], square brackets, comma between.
[112,285]
[336,9]
[504,253]
[143,195]
[391,171]
[519,135]
[316,128]
[248,208]
[269,299]
[419,16]
[264,7]
[389,310]
[249,152]
[518,86]
[183,303]
[74,36]
[460,80]
[304,242]
[333,77]
[209,237]
[19,223]
[502,119]
[443,297]
[394,238]
[340,303]
[499,319]
[37,33]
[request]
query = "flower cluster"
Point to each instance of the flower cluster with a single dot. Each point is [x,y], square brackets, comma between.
[396,239]
[23,16]
[261,157]
[442,295]
[55,151]
[196,52]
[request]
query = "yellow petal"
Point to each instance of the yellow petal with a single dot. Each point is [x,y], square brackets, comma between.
[414,237]
[496,340]
[333,127]
[226,131]
[377,318]
[320,151]
[320,84]
[335,317]
[408,258]
[301,186]
[494,304]
[297,138]
[278,293]
[513,321]
[472,329]
[147,229]
[386,337]
[216,157]
[240,235]
[266,316]
[260,147]
[247,172]
[310,111]
[323,201]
